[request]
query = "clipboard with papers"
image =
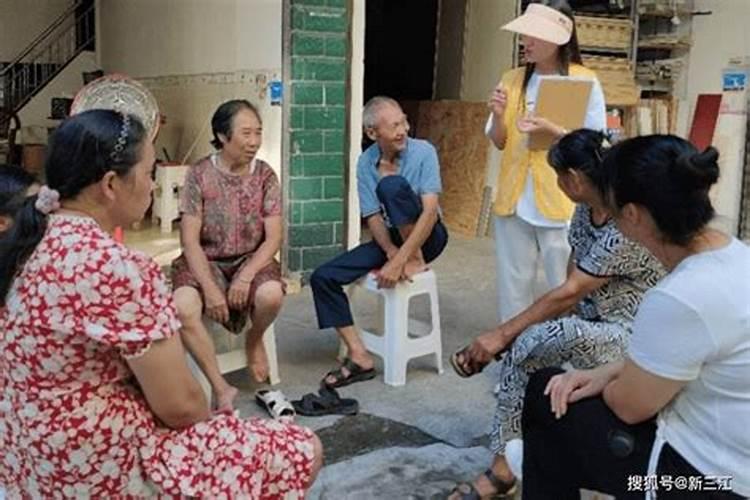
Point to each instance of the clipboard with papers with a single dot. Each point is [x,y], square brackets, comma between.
[563,100]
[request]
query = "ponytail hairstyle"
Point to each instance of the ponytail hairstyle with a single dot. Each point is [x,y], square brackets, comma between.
[82,150]
[669,177]
[14,183]
[567,54]
[582,150]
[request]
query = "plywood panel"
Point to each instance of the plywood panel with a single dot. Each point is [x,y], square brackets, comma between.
[457,130]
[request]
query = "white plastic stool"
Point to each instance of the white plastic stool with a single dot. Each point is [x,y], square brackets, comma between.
[396,347]
[231,355]
[169,181]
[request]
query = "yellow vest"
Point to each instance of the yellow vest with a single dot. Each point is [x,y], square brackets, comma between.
[518,161]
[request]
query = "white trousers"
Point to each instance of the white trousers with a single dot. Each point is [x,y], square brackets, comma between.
[518,247]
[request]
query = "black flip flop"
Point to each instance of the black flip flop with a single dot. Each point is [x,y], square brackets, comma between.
[356,374]
[326,402]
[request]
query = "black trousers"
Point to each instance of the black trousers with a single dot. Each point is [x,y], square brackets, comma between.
[402,206]
[593,449]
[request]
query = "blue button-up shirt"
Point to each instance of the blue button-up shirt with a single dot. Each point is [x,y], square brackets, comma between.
[418,165]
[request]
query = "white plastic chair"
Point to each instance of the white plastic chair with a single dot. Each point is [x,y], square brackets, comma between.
[169,180]
[230,354]
[403,338]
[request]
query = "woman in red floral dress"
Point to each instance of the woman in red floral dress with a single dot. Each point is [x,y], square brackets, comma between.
[96,399]
[231,229]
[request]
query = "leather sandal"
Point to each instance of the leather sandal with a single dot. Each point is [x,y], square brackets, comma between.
[356,374]
[473,367]
[326,402]
[502,489]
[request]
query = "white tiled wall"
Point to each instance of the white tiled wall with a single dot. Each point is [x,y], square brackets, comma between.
[189,101]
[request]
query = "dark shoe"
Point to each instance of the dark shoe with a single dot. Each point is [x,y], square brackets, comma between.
[326,402]
[502,489]
[356,374]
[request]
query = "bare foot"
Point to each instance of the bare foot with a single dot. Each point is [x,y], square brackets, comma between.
[224,400]
[257,362]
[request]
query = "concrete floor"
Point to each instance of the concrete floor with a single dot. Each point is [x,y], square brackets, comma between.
[411,442]
[414,441]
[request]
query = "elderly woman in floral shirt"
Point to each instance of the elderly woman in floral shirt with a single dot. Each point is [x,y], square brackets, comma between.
[231,229]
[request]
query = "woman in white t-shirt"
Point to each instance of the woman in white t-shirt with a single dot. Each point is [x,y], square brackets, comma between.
[672,418]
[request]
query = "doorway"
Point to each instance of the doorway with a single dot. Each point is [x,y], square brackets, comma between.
[400,48]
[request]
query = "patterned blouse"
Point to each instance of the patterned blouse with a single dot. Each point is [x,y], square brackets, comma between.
[231,207]
[603,251]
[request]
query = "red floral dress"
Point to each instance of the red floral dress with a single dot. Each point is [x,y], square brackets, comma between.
[73,422]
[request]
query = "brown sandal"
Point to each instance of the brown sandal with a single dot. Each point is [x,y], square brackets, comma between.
[502,489]
[473,368]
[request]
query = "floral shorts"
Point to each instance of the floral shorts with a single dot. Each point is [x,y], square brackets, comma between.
[223,271]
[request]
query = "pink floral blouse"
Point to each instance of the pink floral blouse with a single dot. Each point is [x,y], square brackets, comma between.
[232,207]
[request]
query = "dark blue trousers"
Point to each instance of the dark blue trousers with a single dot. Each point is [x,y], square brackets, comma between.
[591,448]
[402,206]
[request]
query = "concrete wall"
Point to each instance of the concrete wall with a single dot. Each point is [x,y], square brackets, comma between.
[36,112]
[188,102]
[716,39]
[22,20]
[185,37]
[193,55]
[489,50]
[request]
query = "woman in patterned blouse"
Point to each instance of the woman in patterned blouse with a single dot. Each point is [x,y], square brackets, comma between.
[585,322]
[231,229]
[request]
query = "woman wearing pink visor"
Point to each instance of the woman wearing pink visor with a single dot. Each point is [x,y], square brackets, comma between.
[531,213]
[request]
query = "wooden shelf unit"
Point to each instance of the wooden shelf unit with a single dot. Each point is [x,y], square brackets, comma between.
[617,63]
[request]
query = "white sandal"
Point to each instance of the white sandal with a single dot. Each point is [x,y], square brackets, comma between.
[275,403]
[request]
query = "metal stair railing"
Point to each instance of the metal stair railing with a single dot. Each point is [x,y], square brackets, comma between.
[50,52]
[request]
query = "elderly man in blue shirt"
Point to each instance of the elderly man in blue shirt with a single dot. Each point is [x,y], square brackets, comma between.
[398,181]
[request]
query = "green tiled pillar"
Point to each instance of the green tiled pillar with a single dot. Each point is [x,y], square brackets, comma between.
[318,135]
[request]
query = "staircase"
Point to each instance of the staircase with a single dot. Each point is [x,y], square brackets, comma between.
[70,34]
[20,80]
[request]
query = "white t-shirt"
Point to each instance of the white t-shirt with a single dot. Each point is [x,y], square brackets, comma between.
[596,119]
[694,326]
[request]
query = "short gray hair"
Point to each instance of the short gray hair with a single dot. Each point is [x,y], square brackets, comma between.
[370,113]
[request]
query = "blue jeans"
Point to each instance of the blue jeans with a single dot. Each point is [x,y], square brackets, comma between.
[402,206]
